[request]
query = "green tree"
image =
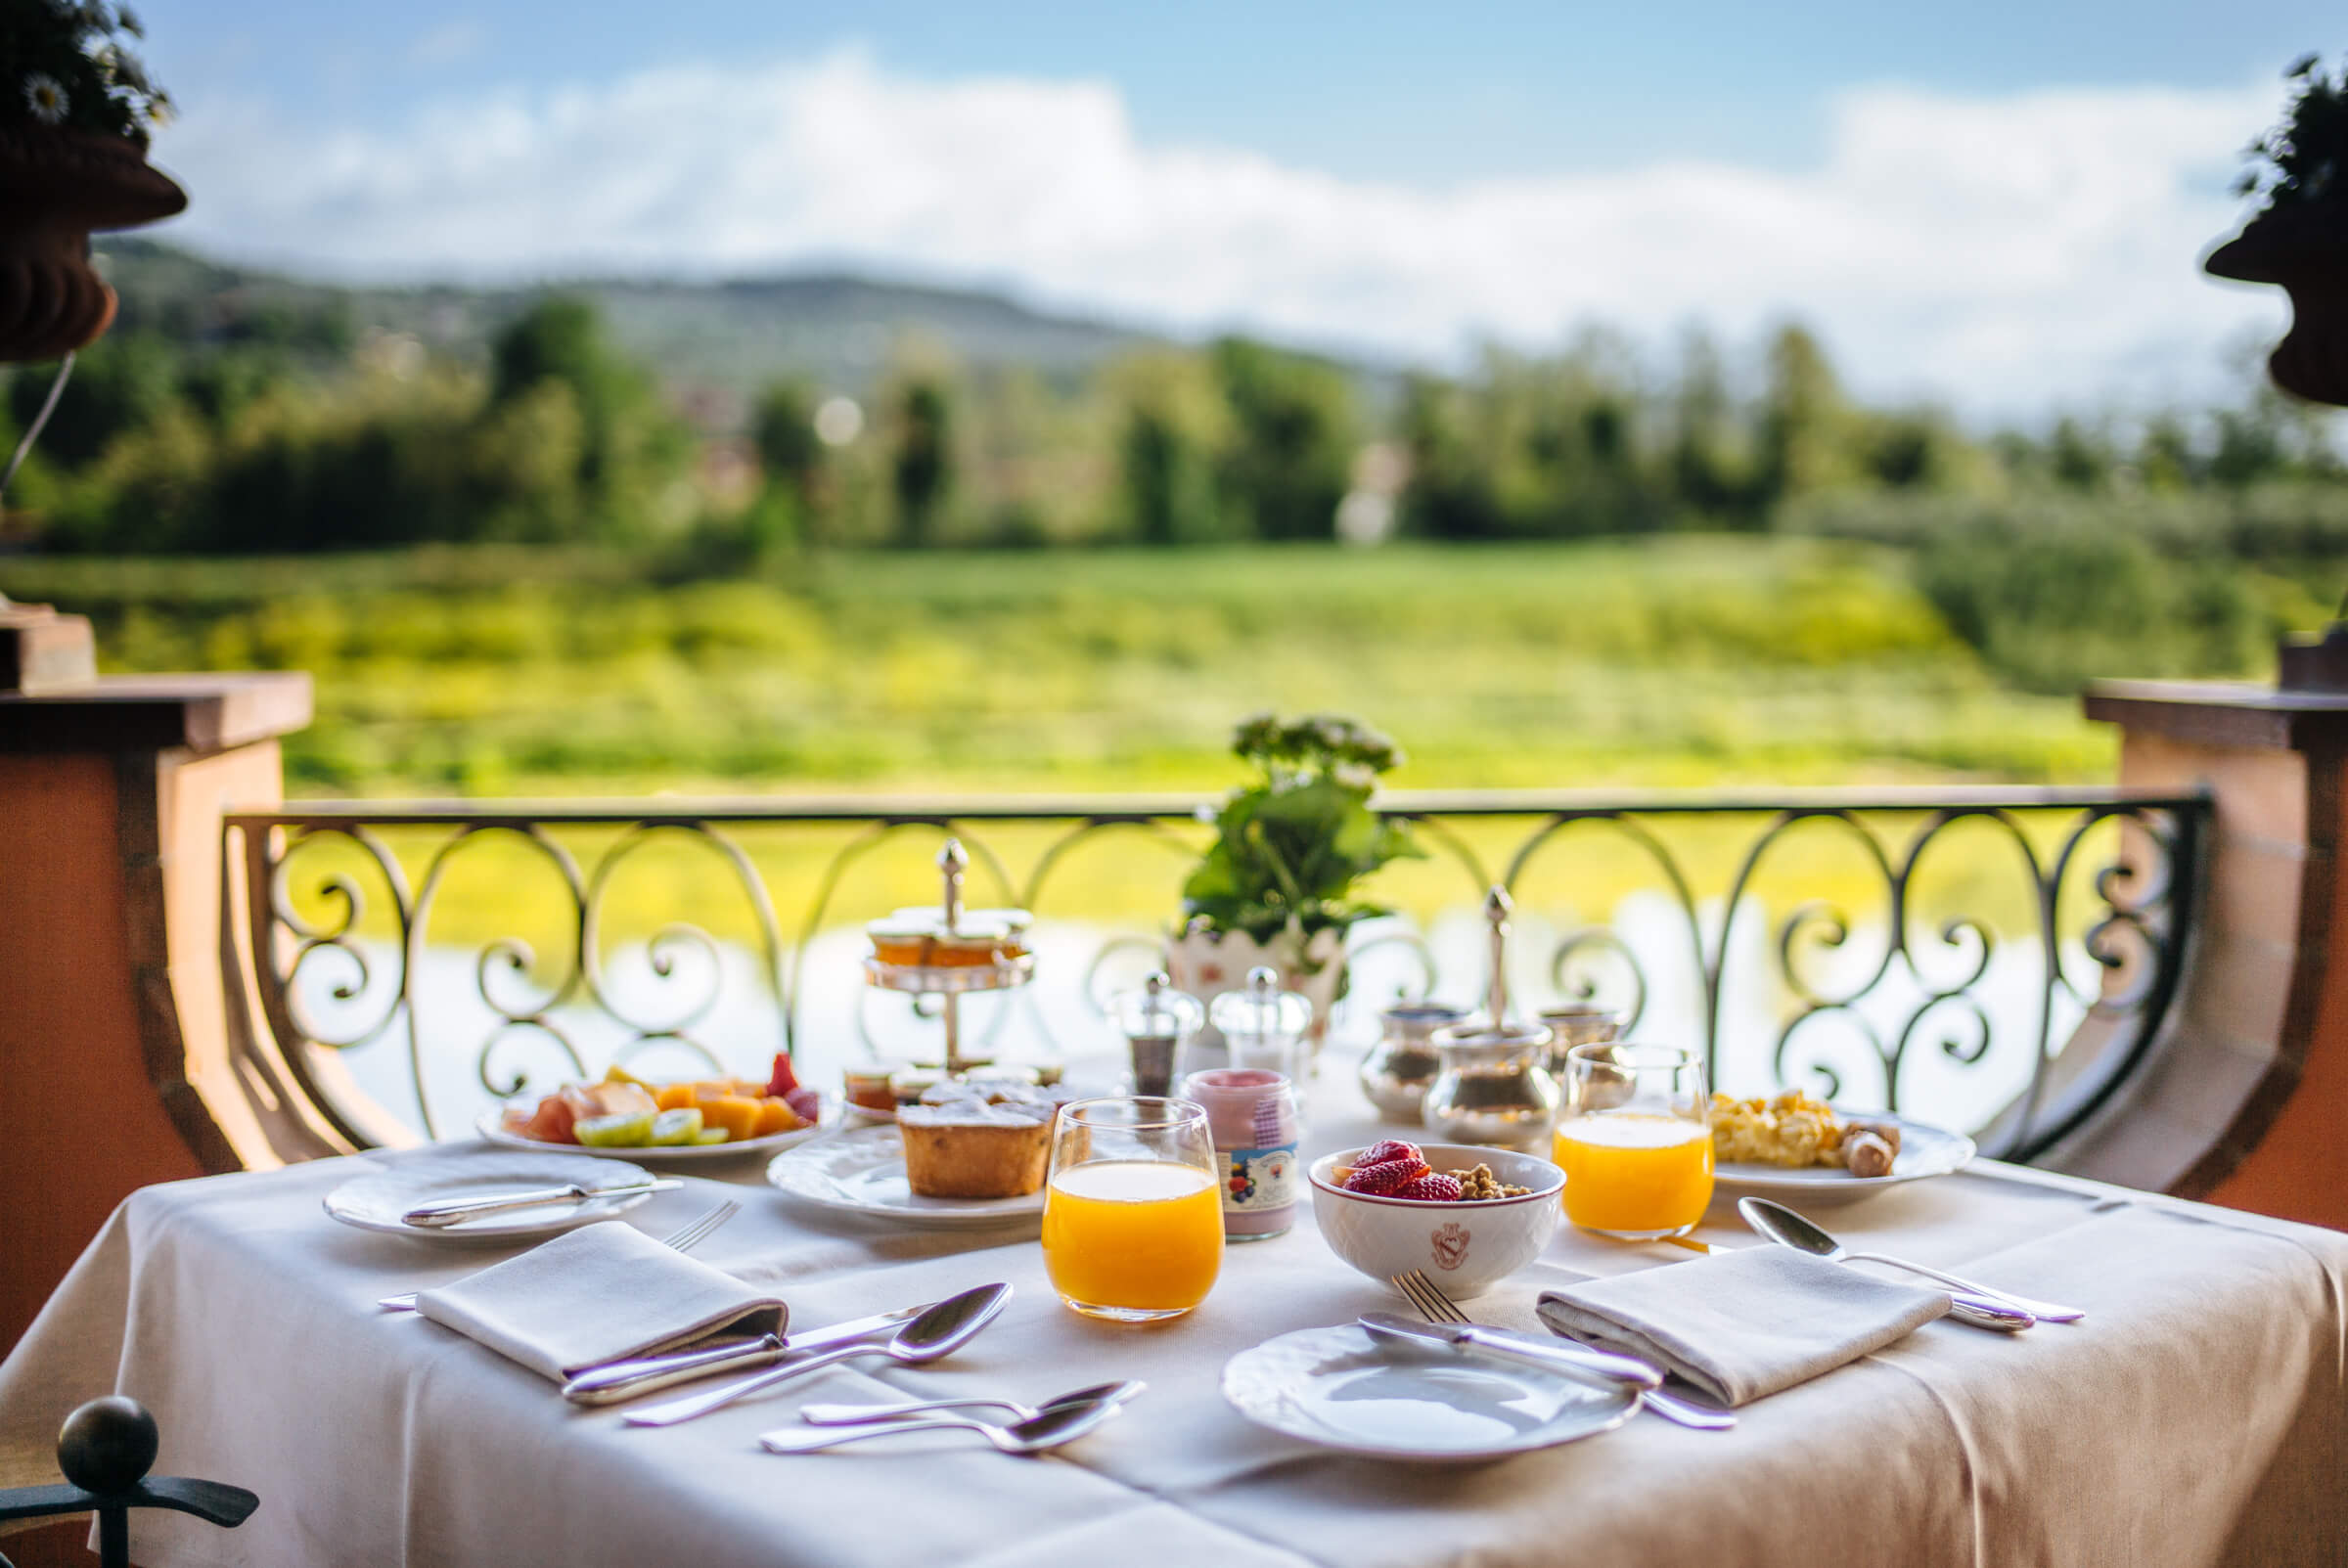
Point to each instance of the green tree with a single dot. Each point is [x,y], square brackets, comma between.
[629,448]
[922,470]
[1174,423]
[2165,459]
[791,458]
[783,430]
[1710,474]
[1289,458]
[123,383]
[1805,435]
[1448,494]
[2079,457]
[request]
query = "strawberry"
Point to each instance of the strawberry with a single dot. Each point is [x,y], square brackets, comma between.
[1432,1187]
[1393,1148]
[1382,1180]
[785,1080]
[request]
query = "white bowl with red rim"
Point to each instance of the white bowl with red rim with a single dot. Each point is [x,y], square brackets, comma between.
[1465,1247]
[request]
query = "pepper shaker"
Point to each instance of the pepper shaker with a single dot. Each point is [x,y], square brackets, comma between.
[1157,1020]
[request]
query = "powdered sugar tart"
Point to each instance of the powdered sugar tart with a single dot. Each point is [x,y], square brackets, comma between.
[862,1171]
[977,1139]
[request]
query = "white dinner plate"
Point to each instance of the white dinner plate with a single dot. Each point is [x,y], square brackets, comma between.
[862,1171]
[377,1202]
[1340,1389]
[492,1128]
[1925,1150]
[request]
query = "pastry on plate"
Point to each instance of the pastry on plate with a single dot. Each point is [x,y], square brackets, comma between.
[978,1139]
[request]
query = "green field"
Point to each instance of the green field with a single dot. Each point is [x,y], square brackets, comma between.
[1676,661]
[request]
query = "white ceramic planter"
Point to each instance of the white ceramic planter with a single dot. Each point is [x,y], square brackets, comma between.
[1207,963]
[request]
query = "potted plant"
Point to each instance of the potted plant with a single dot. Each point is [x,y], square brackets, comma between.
[1277,886]
[2299,236]
[75,107]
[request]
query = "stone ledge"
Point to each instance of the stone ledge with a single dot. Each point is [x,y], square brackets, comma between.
[2222,713]
[196,713]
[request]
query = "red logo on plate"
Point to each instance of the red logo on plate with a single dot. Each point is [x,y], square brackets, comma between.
[1450,1243]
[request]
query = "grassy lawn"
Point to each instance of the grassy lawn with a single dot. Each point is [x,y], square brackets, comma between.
[1670,662]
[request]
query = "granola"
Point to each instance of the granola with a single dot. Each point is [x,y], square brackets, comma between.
[1480,1184]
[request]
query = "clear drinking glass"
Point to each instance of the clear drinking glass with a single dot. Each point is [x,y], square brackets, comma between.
[1636,1142]
[1133,1216]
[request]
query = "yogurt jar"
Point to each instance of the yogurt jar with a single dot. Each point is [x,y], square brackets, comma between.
[1251,1113]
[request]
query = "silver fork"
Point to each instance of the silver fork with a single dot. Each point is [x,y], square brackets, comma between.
[1437,1308]
[684,1238]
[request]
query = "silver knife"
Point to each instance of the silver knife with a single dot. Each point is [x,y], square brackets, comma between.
[433,1216]
[1572,1360]
[618,1380]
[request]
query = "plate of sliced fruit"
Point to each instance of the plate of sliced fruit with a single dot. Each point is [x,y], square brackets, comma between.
[626,1117]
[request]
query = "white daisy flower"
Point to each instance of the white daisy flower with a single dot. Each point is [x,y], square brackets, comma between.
[45,95]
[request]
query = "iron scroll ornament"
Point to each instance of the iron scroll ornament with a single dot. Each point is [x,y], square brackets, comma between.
[2101,930]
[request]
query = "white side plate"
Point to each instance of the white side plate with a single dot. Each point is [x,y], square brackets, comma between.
[1337,1388]
[1925,1151]
[377,1202]
[862,1171]
[494,1131]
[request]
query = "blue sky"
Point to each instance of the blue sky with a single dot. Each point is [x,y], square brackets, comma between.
[1954,195]
[1399,91]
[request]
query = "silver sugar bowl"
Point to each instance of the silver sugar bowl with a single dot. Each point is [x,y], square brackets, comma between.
[1399,1069]
[1493,1085]
[1580,1023]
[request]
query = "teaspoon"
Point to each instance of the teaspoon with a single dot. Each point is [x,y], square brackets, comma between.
[859,1415]
[941,1329]
[1788,1229]
[1059,1424]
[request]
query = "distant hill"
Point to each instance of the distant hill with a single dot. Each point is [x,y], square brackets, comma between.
[716,343]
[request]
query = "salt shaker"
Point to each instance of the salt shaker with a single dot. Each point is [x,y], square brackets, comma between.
[1156,1022]
[1252,1115]
[1263,1025]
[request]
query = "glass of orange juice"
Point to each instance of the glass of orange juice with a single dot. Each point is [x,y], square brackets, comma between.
[1636,1141]
[1133,1217]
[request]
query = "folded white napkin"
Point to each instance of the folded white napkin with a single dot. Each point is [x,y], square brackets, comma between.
[598,1295]
[1742,1325]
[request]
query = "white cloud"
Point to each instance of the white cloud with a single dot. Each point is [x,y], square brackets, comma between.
[2004,253]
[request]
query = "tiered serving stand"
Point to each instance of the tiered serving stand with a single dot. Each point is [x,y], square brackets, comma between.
[949,983]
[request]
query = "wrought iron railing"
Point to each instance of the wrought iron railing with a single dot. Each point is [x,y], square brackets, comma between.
[1880,946]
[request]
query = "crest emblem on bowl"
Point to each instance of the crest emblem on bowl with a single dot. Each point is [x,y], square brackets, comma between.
[1449,1244]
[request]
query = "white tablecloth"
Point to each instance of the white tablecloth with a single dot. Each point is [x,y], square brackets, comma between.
[2200,1415]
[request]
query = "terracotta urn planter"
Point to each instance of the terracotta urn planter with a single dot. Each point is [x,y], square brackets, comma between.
[2304,251]
[57,187]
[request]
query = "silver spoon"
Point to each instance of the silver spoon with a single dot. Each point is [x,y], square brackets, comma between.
[1672,1408]
[859,1415]
[942,1329]
[1061,1423]
[1788,1229]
